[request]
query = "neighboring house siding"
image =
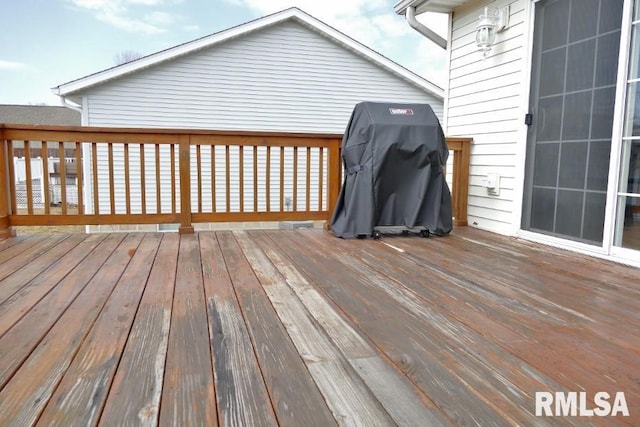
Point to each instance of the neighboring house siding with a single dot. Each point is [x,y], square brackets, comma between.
[485,102]
[286,77]
[281,78]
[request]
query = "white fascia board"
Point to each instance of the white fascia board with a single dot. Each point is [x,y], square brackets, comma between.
[402,5]
[207,41]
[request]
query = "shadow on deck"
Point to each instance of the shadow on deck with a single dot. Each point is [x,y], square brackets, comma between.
[300,328]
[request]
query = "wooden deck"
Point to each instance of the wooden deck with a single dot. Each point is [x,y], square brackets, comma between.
[299,328]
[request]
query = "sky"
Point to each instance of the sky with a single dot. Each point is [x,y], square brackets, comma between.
[45,43]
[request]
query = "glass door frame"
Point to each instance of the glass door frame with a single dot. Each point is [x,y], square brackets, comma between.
[616,164]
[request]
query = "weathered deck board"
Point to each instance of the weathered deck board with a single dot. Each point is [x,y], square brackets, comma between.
[80,395]
[240,389]
[399,397]
[23,399]
[294,396]
[134,397]
[188,396]
[23,336]
[300,328]
[21,301]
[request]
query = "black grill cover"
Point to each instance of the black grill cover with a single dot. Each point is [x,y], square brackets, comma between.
[394,157]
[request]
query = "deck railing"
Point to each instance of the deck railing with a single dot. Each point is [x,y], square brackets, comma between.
[108,176]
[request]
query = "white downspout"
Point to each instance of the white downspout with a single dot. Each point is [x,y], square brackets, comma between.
[410,14]
[66,103]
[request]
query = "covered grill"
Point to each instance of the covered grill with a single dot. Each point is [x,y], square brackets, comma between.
[394,157]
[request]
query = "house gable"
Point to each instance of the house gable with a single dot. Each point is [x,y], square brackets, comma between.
[284,77]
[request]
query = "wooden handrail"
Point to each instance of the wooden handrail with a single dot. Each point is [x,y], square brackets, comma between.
[145,176]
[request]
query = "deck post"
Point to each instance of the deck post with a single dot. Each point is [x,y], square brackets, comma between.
[461,148]
[334,181]
[184,159]
[5,226]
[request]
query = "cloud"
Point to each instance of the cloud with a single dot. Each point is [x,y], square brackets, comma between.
[12,65]
[119,13]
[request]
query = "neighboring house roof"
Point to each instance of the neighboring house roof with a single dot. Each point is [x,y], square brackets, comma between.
[295,14]
[441,6]
[39,115]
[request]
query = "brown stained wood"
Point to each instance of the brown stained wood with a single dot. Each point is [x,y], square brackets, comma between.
[334,176]
[45,172]
[255,179]
[94,219]
[16,271]
[60,262]
[227,178]
[143,183]
[410,350]
[295,179]
[13,247]
[134,397]
[172,156]
[267,180]
[214,206]
[158,186]
[5,186]
[241,178]
[185,185]
[401,399]
[281,173]
[21,402]
[94,171]
[440,328]
[240,390]
[345,393]
[112,197]
[80,395]
[127,179]
[321,178]
[294,396]
[27,168]
[199,176]
[188,396]
[308,179]
[79,177]
[11,174]
[23,337]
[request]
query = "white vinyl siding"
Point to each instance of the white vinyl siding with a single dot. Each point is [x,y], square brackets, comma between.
[281,78]
[285,78]
[485,101]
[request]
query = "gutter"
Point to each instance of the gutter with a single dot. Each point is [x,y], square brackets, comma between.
[410,14]
[65,102]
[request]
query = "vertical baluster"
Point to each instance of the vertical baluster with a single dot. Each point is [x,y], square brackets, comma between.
[308,179]
[63,176]
[127,185]
[295,179]
[255,178]
[172,154]
[227,177]
[199,172]
[27,170]
[112,195]
[213,179]
[45,177]
[268,179]
[94,170]
[241,178]
[321,166]
[281,179]
[79,183]
[143,183]
[158,185]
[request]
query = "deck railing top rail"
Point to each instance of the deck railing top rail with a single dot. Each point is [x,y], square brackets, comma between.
[185,176]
